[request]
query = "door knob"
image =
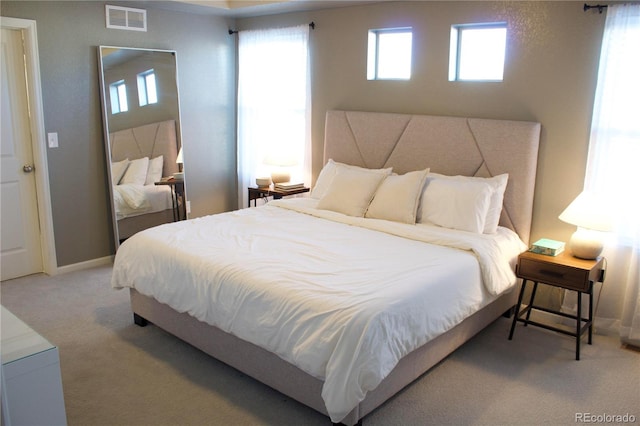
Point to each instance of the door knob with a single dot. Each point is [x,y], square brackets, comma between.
[28,168]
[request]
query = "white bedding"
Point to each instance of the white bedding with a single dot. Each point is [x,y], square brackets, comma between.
[344,303]
[133,200]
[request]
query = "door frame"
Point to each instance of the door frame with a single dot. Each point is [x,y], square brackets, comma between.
[38,139]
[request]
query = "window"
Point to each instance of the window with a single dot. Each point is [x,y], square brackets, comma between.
[274,106]
[477,52]
[389,54]
[611,175]
[118,92]
[147,93]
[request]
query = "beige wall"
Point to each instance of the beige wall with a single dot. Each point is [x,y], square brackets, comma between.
[550,75]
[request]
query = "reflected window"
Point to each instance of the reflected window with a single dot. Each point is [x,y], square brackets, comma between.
[477,52]
[118,92]
[147,93]
[389,54]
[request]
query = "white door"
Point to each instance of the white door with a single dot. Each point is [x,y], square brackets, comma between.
[20,249]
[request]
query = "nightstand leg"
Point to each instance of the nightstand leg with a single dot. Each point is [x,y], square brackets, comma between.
[517,314]
[578,327]
[530,307]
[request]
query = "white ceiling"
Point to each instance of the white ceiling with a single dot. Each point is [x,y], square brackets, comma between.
[251,8]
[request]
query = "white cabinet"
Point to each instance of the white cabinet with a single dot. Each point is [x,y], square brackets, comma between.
[31,381]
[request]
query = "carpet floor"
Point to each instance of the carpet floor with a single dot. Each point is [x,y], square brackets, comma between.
[116,373]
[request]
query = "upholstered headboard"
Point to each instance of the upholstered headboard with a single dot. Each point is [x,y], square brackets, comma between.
[447,145]
[150,140]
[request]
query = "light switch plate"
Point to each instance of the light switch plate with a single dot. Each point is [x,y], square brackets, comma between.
[52,138]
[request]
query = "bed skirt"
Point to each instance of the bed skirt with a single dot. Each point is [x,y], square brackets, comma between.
[131,225]
[288,379]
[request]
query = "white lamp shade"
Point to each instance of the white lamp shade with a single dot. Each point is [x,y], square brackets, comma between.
[590,214]
[588,211]
[179,157]
[281,159]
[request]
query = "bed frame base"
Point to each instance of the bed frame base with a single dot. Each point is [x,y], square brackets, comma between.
[134,224]
[138,320]
[284,377]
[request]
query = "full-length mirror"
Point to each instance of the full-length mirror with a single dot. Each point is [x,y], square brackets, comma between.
[141,112]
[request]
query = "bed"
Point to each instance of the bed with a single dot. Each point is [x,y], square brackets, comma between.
[141,156]
[340,308]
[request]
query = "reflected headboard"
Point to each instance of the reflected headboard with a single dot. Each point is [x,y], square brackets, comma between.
[150,140]
[447,145]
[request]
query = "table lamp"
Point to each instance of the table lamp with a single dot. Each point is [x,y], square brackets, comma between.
[590,215]
[179,161]
[281,163]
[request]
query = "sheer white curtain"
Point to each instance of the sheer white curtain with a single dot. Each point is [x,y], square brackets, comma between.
[274,99]
[612,168]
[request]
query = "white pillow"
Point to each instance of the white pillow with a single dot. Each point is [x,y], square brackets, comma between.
[456,204]
[154,172]
[136,172]
[397,197]
[329,171]
[498,185]
[117,170]
[351,191]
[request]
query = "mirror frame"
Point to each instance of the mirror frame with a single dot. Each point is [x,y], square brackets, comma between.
[107,127]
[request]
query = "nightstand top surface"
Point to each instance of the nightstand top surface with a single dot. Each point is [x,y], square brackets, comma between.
[564,258]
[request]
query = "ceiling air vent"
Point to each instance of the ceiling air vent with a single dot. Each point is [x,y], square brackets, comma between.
[126,18]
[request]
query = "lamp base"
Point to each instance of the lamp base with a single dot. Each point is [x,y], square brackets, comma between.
[280,177]
[586,244]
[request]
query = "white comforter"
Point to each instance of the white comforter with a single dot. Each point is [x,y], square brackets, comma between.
[132,200]
[341,302]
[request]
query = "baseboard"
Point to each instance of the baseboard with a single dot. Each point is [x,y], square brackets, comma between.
[102,261]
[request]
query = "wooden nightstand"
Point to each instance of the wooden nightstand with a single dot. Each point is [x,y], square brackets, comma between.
[565,271]
[256,193]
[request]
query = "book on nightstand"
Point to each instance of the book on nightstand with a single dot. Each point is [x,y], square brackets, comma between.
[288,186]
[548,247]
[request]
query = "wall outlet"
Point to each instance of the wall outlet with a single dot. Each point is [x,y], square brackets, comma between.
[188,207]
[52,139]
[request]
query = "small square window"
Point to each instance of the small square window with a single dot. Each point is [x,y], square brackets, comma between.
[477,52]
[389,54]
[147,93]
[118,95]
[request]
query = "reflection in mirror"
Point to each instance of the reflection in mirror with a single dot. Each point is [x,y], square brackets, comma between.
[141,115]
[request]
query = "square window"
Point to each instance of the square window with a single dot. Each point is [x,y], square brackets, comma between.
[118,95]
[389,54]
[477,52]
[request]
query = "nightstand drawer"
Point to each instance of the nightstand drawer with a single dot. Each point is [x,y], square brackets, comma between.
[559,275]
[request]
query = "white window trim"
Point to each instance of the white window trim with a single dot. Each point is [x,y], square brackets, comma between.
[455,49]
[373,54]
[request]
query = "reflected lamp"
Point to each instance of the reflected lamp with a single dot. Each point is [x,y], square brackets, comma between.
[179,161]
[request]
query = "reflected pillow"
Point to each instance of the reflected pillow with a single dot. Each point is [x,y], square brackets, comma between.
[154,172]
[351,191]
[329,171]
[117,170]
[397,197]
[455,204]
[136,173]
